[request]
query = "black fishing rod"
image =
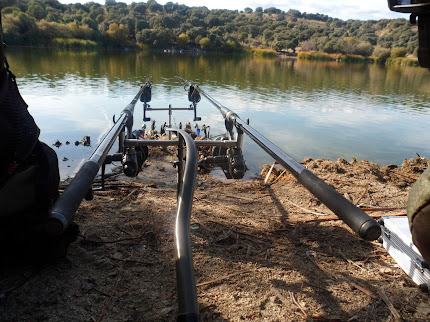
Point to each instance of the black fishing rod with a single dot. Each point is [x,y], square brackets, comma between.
[361,223]
[64,209]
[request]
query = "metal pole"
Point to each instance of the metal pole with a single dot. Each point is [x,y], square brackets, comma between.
[186,287]
[170,121]
[181,149]
[366,227]
[136,142]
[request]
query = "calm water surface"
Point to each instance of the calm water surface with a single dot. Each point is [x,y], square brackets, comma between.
[318,110]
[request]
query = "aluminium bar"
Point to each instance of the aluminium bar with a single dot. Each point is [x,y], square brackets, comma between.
[361,223]
[168,109]
[186,286]
[221,143]
[64,209]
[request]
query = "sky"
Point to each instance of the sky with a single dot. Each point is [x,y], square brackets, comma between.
[358,9]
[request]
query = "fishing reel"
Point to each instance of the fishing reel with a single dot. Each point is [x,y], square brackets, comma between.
[132,159]
[230,160]
[418,9]
[194,98]
[145,97]
[236,164]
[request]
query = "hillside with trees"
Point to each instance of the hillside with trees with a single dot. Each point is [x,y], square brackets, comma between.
[150,24]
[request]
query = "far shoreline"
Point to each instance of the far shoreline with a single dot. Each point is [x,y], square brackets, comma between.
[255,52]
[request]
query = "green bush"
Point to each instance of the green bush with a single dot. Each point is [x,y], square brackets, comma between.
[403,61]
[304,55]
[258,52]
[382,54]
[356,59]
[398,52]
[73,43]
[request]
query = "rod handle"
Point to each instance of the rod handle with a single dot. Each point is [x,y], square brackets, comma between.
[361,223]
[63,211]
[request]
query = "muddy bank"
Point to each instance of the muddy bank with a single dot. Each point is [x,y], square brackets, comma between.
[261,252]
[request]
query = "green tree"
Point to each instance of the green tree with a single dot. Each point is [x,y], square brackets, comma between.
[153,6]
[36,10]
[140,8]
[10,10]
[194,32]
[162,38]
[382,53]
[140,24]
[20,29]
[348,45]
[100,19]
[278,45]
[146,36]
[213,21]
[364,48]
[198,38]
[243,36]
[118,34]
[331,46]
[230,45]
[53,16]
[90,23]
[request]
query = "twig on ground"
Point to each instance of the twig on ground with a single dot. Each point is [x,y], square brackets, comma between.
[269,173]
[304,209]
[364,290]
[390,305]
[293,299]
[351,262]
[362,195]
[119,204]
[279,177]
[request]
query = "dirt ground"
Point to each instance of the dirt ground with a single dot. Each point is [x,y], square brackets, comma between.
[261,252]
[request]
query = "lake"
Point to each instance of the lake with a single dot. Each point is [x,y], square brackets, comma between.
[309,109]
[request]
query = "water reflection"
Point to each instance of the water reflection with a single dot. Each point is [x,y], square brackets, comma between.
[308,109]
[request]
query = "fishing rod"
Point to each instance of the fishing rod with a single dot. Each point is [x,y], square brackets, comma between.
[361,223]
[64,209]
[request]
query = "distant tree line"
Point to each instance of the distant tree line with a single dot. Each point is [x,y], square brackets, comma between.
[116,24]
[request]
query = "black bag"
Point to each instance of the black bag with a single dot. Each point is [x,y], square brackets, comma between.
[29,182]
